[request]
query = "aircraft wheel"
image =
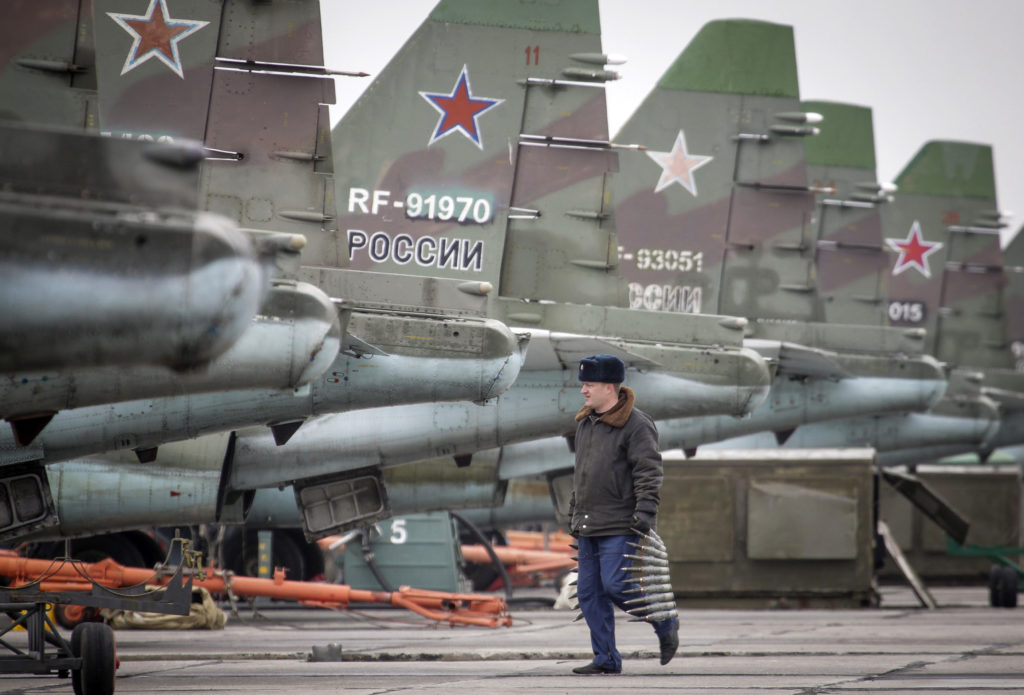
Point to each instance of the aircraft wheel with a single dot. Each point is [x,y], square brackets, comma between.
[993,580]
[76,650]
[94,642]
[1002,587]
[1009,587]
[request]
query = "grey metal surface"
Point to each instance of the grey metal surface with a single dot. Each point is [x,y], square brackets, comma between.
[770,528]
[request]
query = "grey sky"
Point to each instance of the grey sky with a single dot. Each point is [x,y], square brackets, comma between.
[930,69]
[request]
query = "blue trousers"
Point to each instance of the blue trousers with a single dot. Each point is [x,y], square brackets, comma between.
[600,587]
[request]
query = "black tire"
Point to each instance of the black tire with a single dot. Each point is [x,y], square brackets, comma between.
[96,647]
[76,650]
[994,599]
[1007,587]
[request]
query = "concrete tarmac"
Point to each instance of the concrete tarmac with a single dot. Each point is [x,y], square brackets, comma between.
[963,647]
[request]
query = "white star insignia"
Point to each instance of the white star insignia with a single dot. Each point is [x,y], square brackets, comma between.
[678,165]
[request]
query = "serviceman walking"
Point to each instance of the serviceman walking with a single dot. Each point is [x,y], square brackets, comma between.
[616,491]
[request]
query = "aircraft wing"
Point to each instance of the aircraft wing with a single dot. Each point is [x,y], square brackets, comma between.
[798,360]
[552,350]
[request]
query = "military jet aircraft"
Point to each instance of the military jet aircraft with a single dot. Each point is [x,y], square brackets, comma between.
[426,351]
[585,158]
[701,368]
[868,236]
[121,290]
[733,230]
[271,186]
[945,273]
[1004,385]
[498,169]
[852,273]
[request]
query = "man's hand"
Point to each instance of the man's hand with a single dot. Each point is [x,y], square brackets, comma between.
[643,521]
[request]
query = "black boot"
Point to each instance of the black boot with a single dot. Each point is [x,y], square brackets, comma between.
[669,643]
[593,669]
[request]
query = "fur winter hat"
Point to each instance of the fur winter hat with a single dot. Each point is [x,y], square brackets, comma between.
[608,369]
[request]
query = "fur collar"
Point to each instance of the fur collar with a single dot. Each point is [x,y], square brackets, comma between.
[618,416]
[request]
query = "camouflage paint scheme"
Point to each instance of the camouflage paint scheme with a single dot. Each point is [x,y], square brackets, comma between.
[852,269]
[524,277]
[953,263]
[945,278]
[1006,385]
[727,379]
[270,171]
[714,216]
[506,117]
[730,223]
[499,70]
[720,101]
[851,257]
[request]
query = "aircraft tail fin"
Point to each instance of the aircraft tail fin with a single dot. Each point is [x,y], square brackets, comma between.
[245,79]
[480,152]
[852,260]
[947,269]
[717,209]
[737,56]
[847,137]
[1013,257]
[954,169]
[1013,254]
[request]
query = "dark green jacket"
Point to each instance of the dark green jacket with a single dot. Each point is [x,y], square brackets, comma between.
[618,469]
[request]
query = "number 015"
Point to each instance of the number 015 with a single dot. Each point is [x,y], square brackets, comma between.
[907,312]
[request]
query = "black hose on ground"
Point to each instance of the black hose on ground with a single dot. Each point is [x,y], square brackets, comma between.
[371,562]
[475,530]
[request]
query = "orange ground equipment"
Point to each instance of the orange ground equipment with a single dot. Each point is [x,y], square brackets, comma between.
[559,541]
[89,657]
[451,608]
[522,563]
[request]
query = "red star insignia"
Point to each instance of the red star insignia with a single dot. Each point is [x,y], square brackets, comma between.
[914,251]
[459,110]
[155,35]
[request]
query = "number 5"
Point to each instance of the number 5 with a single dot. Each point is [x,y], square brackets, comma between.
[399,534]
